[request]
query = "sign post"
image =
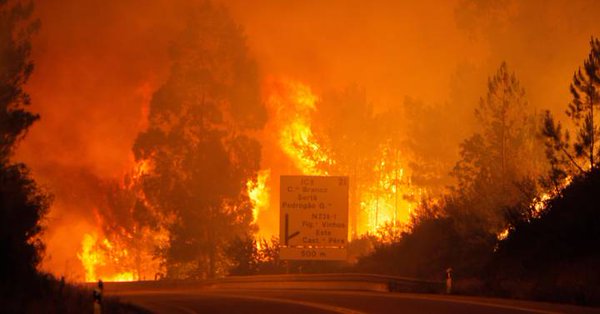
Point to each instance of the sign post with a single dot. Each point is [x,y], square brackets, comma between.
[313,217]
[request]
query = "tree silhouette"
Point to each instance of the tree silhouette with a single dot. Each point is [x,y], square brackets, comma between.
[22,203]
[15,69]
[197,146]
[554,256]
[581,155]
[496,161]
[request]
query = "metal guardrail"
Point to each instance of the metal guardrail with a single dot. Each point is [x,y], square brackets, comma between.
[348,281]
[377,282]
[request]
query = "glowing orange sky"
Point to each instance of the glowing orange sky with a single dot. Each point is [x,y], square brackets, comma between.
[98,62]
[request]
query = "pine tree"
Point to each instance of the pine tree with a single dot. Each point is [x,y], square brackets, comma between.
[496,161]
[570,157]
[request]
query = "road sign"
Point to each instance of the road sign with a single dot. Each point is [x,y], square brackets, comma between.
[313,217]
[327,253]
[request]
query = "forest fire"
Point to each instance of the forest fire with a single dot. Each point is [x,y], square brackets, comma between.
[96,256]
[294,103]
[113,251]
[390,195]
[430,146]
[384,195]
[129,260]
[174,127]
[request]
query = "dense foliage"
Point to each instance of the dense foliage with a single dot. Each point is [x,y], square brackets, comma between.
[22,203]
[197,144]
[555,256]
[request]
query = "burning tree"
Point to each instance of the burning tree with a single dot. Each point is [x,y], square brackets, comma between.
[134,231]
[381,193]
[499,163]
[582,155]
[345,125]
[196,144]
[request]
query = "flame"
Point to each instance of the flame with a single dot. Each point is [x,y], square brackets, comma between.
[112,261]
[259,193]
[389,200]
[89,257]
[93,259]
[539,205]
[294,103]
[386,195]
[125,253]
[503,234]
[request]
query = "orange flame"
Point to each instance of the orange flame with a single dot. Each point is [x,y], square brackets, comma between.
[126,254]
[389,200]
[386,195]
[93,259]
[294,103]
[259,193]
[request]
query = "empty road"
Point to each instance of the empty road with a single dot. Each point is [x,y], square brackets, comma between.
[318,297]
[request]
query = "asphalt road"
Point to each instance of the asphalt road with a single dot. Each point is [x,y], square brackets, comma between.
[290,301]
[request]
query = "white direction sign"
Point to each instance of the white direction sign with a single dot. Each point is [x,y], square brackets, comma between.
[313,217]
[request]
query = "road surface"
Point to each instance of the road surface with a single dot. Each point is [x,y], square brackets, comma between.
[248,298]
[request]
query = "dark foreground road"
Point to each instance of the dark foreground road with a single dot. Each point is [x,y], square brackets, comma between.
[282,299]
[296,301]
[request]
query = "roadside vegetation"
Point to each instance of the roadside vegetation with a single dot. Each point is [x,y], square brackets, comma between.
[23,203]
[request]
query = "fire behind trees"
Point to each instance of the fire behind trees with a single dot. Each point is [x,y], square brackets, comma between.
[496,175]
[547,250]
[23,204]
[197,144]
[188,196]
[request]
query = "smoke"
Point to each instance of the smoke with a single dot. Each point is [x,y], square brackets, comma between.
[98,63]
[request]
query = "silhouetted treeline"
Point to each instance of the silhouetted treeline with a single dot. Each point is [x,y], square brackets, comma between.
[496,229]
[495,175]
[22,203]
[556,256]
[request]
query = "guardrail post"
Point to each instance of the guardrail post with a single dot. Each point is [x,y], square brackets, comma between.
[97,294]
[449,280]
